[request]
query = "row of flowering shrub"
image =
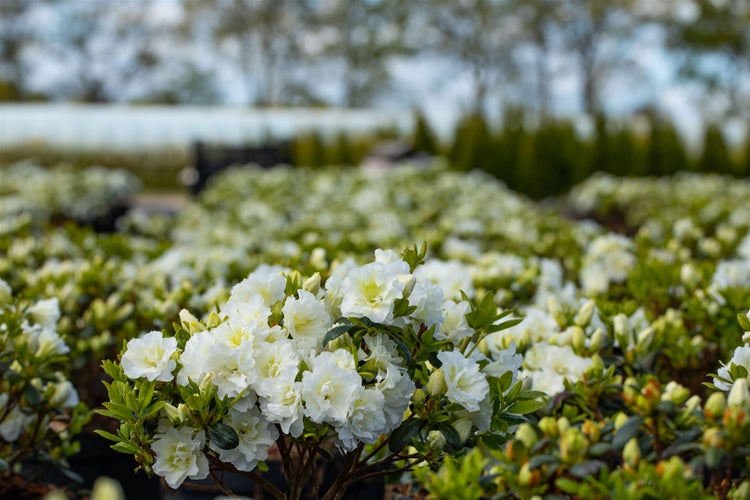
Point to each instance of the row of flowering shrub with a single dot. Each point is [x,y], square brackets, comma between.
[545,355]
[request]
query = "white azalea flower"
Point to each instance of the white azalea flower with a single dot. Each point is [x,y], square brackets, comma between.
[428,300]
[150,356]
[370,291]
[306,319]
[46,313]
[281,403]
[255,436]
[365,420]
[328,389]
[454,326]
[195,357]
[397,388]
[466,385]
[44,342]
[14,422]
[179,455]
[740,357]
[266,281]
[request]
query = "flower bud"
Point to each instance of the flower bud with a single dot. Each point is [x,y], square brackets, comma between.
[318,259]
[741,492]
[739,394]
[436,385]
[675,393]
[418,398]
[672,469]
[171,412]
[746,338]
[555,310]
[689,275]
[620,420]
[190,322]
[435,440]
[583,318]
[715,405]
[563,424]
[6,294]
[645,337]
[312,284]
[409,280]
[548,426]
[597,339]
[622,330]
[573,445]
[463,427]
[107,489]
[578,338]
[527,477]
[712,438]
[592,430]
[631,454]
[527,435]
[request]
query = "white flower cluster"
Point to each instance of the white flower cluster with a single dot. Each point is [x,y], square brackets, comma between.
[267,353]
[36,348]
[607,260]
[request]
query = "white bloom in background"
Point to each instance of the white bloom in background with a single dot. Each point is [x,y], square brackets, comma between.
[537,325]
[195,357]
[454,326]
[370,291]
[740,357]
[743,249]
[44,342]
[179,455]
[451,276]
[150,356]
[366,419]
[428,300]
[547,365]
[328,389]
[386,256]
[15,422]
[306,319]
[281,403]
[731,274]
[397,388]
[266,281]
[608,259]
[6,293]
[504,360]
[46,313]
[65,395]
[255,436]
[466,385]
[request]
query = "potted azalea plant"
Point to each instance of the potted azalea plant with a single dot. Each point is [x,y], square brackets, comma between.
[373,365]
[40,412]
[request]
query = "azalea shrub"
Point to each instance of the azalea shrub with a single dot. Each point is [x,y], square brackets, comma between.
[40,412]
[373,363]
[635,294]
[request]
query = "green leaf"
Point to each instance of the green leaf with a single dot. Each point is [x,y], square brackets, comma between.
[224,436]
[567,485]
[628,431]
[540,460]
[107,435]
[525,406]
[587,468]
[123,447]
[325,454]
[744,321]
[452,437]
[32,395]
[403,435]
[336,332]
[504,325]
